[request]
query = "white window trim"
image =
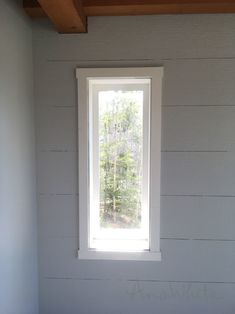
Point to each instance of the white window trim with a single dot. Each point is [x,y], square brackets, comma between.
[155,74]
[105,238]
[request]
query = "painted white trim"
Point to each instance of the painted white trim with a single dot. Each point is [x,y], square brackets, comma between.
[138,235]
[121,256]
[83,76]
[155,158]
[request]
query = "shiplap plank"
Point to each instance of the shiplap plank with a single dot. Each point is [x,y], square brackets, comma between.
[58,216]
[191,36]
[186,82]
[198,174]
[184,173]
[198,128]
[181,260]
[57,128]
[198,217]
[200,82]
[181,217]
[57,173]
[115,297]
[55,84]
[183,128]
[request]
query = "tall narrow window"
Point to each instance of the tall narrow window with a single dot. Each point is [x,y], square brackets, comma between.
[119,207]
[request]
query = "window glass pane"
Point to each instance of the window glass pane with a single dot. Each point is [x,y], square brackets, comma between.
[120,158]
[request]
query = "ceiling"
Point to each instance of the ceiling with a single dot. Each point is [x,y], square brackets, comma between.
[70,16]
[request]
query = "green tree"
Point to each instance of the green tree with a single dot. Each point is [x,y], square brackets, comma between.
[120,162]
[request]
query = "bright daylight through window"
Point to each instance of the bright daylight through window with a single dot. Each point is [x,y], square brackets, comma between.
[118,208]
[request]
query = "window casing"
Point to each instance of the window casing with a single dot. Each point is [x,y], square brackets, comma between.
[124,89]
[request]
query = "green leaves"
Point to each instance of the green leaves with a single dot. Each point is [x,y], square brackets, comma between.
[120,134]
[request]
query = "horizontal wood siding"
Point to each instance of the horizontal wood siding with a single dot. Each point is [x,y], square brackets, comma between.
[183,260]
[182,217]
[198,174]
[136,297]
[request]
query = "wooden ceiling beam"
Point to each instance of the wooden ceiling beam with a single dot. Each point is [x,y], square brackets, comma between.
[67,15]
[33,8]
[150,7]
[141,7]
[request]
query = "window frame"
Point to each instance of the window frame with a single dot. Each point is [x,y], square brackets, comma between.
[83,75]
[135,237]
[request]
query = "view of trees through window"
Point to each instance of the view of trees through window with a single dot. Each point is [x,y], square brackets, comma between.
[120,158]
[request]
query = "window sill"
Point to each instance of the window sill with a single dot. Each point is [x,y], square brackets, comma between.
[119,256]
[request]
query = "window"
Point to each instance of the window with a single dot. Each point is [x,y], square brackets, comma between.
[119,117]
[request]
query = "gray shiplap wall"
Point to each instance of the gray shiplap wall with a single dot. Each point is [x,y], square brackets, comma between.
[196,274]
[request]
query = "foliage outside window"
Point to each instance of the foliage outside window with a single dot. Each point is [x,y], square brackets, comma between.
[120,119]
